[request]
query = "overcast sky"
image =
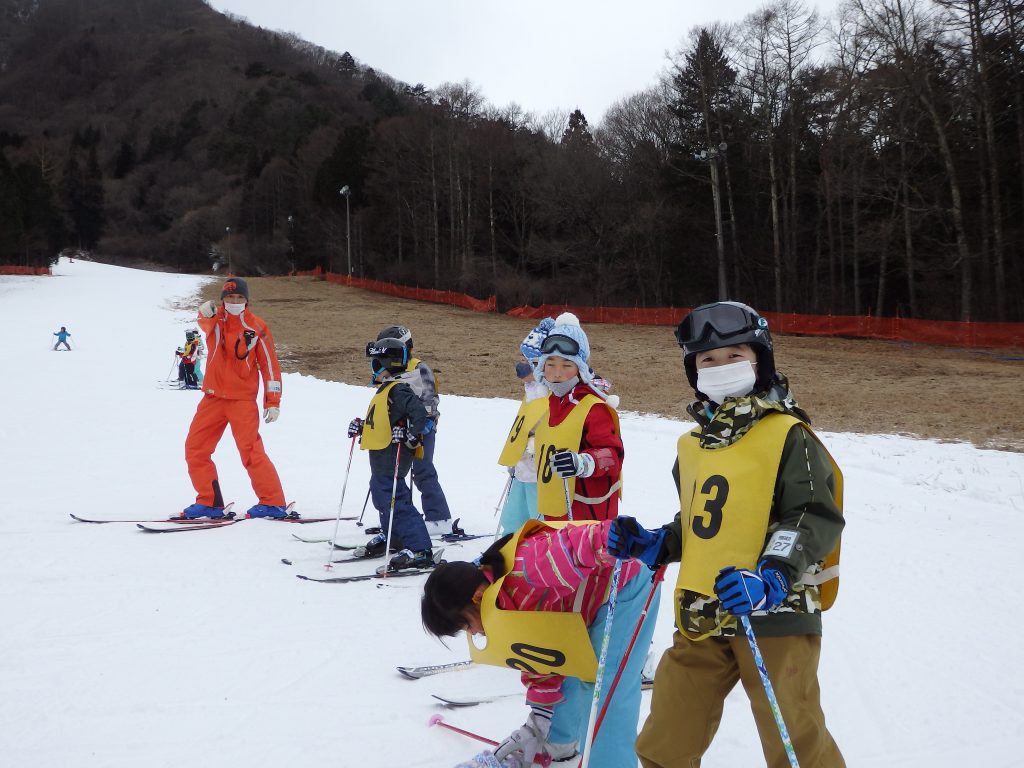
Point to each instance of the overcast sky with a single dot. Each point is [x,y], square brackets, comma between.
[541,54]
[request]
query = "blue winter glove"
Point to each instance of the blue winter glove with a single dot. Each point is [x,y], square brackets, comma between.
[571,464]
[628,539]
[743,591]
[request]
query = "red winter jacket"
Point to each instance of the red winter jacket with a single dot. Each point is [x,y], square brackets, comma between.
[601,440]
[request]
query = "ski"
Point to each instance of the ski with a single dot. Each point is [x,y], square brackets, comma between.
[415,673]
[172,528]
[472,701]
[453,538]
[228,514]
[367,576]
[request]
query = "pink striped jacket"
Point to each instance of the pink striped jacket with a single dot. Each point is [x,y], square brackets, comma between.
[551,566]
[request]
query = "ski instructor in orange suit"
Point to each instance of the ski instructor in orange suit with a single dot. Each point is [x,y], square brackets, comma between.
[241,351]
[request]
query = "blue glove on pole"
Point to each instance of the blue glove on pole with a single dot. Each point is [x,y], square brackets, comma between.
[744,591]
[628,539]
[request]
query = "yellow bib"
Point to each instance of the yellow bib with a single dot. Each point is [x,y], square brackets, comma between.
[567,435]
[377,426]
[539,642]
[726,496]
[530,412]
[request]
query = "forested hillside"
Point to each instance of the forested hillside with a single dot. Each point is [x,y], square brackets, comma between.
[869,163]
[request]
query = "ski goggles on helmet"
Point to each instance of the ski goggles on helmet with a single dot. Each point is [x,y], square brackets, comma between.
[556,344]
[720,320]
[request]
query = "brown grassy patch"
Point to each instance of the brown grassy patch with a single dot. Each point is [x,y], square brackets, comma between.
[846,385]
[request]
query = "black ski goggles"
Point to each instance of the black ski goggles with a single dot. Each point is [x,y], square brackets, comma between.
[556,344]
[722,319]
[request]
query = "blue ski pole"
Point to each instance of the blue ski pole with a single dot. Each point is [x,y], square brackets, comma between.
[770,692]
[605,642]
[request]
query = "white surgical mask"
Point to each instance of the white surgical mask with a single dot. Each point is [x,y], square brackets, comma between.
[562,388]
[724,381]
[233,309]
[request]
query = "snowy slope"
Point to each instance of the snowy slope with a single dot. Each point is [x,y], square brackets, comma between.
[203,649]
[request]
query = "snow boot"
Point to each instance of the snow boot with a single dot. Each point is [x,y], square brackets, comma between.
[201,510]
[407,559]
[266,510]
[439,527]
[373,548]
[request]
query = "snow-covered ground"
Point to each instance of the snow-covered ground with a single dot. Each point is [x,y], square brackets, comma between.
[119,648]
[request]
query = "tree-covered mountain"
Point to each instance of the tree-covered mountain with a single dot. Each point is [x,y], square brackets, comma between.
[866,164]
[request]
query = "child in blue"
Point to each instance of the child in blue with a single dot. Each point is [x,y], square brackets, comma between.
[393,431]
[62,338]
[521,502]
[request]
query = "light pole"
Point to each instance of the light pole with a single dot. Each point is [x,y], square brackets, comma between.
[348,230]
[711,157]
[228,230]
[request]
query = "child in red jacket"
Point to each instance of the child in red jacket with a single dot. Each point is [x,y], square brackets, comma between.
[578,446]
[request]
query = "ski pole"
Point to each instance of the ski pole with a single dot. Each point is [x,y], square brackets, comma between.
[659,576]
[770,692]
[391,511]
[174,362]
[501,503]
[366,501]
[605,642]
[568,501]
[543,758]
[337,519]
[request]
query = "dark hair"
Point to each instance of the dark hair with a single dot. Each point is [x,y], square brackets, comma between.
[450,587]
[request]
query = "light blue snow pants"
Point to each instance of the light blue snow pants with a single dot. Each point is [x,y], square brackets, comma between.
[613,747]
[520,506]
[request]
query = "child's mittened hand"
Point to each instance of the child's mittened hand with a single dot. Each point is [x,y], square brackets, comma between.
[571,464]
[208,308]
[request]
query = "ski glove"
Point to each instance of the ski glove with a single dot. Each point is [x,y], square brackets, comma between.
[400,434]
[571,464]
[628,539]
[744,591]
[528,739]
[208,308]
[355,427]
[270,414]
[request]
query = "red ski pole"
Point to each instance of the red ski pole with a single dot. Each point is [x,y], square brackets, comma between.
[541,759]
[659,576]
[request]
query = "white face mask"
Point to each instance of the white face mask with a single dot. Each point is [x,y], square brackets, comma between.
[562,388]
[724,381]
[233,309]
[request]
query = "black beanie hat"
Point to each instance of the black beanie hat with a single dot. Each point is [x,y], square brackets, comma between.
[235,285]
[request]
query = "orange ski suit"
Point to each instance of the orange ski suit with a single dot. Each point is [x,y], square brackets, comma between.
[241,350]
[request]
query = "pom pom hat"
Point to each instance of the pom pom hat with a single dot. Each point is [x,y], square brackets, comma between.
[531,344]
[567,340]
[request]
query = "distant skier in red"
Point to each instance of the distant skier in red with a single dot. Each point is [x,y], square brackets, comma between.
[241,351]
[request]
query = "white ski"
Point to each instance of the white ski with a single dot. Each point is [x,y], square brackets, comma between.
[472,701]
[415,673]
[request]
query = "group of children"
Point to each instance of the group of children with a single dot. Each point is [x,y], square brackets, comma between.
[190,372]
[759,520]
[760,515]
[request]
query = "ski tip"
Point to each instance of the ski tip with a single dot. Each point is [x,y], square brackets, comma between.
[286,561]
[404,672]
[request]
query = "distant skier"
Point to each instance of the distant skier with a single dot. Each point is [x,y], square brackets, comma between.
[62,338]
[241,352]
[421,380]
[188,365]
[392,432]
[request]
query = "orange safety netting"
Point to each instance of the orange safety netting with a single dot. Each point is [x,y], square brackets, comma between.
[407,291]
[10,269]
[941,332]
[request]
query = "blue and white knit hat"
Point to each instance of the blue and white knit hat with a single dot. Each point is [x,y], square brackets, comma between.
[567,324]
[531,344]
